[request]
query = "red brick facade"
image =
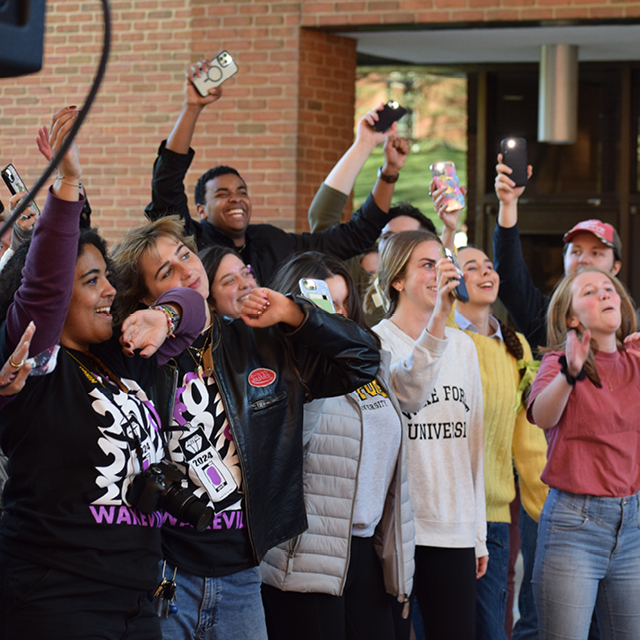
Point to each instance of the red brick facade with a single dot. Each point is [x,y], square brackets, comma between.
[284,119]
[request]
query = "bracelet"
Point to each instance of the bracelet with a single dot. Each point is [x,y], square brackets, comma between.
[387,178]
[172,316]
[564,370]
[61,179]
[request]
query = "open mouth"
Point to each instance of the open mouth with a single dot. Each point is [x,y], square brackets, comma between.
[105,312]
[238,212]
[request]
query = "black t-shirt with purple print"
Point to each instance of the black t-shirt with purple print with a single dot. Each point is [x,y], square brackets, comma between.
[75,441]
[201,445]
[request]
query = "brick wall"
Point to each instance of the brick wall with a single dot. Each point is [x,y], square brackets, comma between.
[283,121]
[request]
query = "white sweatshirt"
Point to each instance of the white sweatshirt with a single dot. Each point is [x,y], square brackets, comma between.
[444,423]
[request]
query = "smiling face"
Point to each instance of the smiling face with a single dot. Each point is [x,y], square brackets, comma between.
[595,304]
[89,319]
[587,250]
[231,286]
[228,206]
[171,265]
[417,287]
[479,276]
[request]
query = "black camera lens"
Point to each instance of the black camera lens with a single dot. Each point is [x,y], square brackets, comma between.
[183,505]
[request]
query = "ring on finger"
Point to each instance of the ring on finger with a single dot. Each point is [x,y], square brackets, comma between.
[17,365]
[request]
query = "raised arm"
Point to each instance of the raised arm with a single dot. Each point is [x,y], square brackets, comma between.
[175,155]
[328,203]
[45,292]
[526,304]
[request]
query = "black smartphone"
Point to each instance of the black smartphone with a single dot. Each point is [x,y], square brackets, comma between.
[15,183]
[460,292]
[390,113]
[514,155]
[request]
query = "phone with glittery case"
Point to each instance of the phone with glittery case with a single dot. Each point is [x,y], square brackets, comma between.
[446,176]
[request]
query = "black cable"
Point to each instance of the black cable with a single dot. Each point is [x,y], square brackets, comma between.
[106,47]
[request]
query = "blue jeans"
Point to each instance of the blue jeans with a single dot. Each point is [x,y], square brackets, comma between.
[491,598]
[588,555]
[226,608]
[526,628]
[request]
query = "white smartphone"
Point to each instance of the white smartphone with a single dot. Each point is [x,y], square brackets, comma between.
[318,292]
[223,66]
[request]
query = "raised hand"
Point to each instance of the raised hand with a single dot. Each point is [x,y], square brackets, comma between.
[42,141]
[28,217]
[264,308]
[576,351]
[448,279]
[192,96]
[632,344]
[505,187]
[16,369]
[365,131]
[146,329]
[61,123]
[396,150]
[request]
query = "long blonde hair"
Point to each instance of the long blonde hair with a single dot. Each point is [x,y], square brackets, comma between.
[560,309]
[393,265]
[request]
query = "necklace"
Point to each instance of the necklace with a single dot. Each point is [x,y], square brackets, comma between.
[106,373]
[202,357]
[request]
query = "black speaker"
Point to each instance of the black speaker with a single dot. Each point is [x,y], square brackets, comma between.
[21,37]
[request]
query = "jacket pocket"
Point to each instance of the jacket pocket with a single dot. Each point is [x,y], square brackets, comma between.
[268,402]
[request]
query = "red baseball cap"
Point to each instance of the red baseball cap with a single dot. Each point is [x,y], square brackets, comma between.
[601,230]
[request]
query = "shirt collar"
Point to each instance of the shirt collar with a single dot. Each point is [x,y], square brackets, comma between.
[466,325]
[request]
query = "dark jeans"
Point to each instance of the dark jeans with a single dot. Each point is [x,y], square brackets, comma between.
[362,612]
[526,628]
[38,602]
[492,587]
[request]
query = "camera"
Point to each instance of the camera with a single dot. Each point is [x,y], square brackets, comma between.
[159,487]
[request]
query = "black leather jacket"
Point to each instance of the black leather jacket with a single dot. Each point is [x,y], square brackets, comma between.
[326,356]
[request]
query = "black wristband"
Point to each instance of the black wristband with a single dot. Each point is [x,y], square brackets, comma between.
[570,379]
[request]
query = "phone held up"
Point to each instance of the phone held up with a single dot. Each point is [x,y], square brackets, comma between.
[390,113]
[15,184]
[460,292]
[446,176]
[514,155]
[318,292]
[223,66]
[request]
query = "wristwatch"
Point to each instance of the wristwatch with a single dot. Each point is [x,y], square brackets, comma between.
[386,178]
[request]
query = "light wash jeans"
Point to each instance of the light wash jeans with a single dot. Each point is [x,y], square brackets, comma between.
[588,555]
[226,608]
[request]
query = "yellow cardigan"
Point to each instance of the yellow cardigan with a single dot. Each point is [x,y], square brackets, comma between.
[508,435]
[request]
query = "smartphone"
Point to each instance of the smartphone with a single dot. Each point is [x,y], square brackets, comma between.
[390,113]
[460,292]
[514,155]
[222,67]
[15,183]
[318,292]
[446,176]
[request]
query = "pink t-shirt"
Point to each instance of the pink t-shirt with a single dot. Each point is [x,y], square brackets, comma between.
[595,447]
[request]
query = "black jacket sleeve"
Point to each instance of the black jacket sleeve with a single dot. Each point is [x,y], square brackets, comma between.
[526,304]
[168,196]
[334,355]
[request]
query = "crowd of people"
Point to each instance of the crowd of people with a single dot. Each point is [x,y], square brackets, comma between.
[195,450]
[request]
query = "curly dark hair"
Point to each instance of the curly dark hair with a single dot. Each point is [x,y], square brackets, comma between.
[201,185]
[11,276]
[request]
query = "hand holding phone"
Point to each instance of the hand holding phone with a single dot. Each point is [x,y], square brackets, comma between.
[445,176]
[318,292]
[514,155]
[460,292]
[222,67]
[15,184]
[390,113]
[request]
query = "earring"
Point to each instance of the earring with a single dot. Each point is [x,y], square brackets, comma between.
[397,286]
